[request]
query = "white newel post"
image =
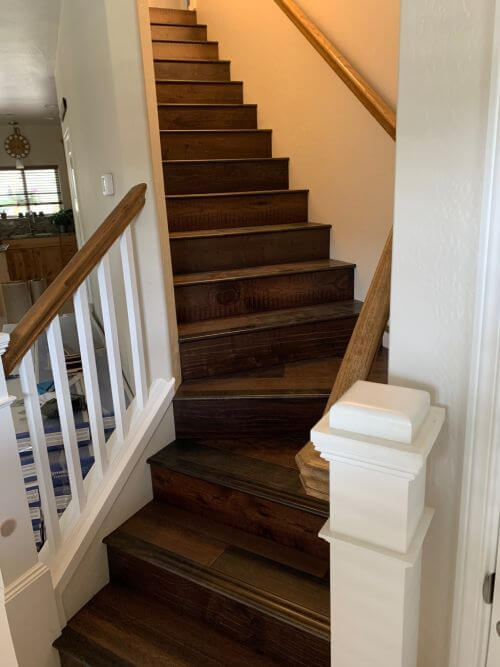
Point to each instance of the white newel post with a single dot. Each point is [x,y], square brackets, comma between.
[377,438]
[29,621]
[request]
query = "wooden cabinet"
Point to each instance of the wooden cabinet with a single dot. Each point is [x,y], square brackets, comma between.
[39,257]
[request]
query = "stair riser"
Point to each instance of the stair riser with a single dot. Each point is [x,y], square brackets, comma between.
[244,352]
[179,32]
[251,626]
[199,93]
[192,71]
[189,214]
[208,51]
[207,118]
[285,525]
[267,417]
[238,297]
[185,178]
[212,145]
[181,16]
[246,250]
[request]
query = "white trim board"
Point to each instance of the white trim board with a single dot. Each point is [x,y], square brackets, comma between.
[480,504]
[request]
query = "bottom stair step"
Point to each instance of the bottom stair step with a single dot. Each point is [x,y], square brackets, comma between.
[120,627]
[202,570]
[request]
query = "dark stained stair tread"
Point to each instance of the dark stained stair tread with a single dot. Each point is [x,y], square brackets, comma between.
[243,231]
[182,16]
[249,273]
[230,469]
[185,49]
[197,91]
[267,320]
[298,598]
[212,144]
[122,627]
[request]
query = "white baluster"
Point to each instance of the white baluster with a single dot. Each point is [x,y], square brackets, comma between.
[112,345]
[40,453]
[134,316]
[65,409]
[92,392]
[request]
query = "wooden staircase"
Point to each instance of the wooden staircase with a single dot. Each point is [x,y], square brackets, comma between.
[224,566]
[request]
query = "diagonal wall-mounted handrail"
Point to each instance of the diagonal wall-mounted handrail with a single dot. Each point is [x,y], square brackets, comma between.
[375,104]
[367,335]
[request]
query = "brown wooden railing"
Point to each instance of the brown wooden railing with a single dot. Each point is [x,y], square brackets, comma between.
[40,315]
[367,335]
[378,108]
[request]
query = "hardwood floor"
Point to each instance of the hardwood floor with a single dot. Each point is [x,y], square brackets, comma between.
[225,566]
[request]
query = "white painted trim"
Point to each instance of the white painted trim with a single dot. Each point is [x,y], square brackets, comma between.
[480,503]
[161,395]
[23,582]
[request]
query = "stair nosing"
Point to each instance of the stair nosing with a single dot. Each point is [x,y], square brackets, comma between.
[180,25]
[190,60]
[289,612]
[269,326]
[204,82]
[241,231]
[251,193]
[183,41]
[298,267]
[225,159]
[305,503]
[253,130]
[204,104]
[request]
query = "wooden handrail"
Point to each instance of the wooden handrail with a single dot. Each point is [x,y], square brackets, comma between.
[41,313]
[378,108]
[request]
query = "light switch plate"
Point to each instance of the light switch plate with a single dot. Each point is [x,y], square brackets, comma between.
[107,185]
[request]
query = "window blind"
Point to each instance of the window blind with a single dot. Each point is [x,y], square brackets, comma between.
[30,190]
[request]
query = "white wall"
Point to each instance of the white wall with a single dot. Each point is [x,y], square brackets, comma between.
[99,71]
[337,149]
[442,113]
[46,149]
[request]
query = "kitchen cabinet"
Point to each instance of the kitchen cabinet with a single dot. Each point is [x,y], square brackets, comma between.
[43,257]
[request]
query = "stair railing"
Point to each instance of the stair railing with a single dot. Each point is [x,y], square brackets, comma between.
[367,335]
[43,575]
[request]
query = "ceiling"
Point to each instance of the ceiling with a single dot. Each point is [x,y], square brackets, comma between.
[28,42]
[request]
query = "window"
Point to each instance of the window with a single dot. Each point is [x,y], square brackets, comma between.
[30,190]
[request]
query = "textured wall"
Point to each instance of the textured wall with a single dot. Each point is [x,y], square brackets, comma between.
[337,149]
[442,112]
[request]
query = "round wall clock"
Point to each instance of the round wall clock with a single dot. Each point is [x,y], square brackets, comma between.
[16,145]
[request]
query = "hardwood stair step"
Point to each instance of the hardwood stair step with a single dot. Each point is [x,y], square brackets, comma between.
[236,209]
[207,116]
[178,33]
[280,403]
[222,464]
[170,16]
[215,144]
[236,344]
[225,175]
[249,597]
[221,249]
[208,295]
[199,92]
[184,49]
[203,70]
[121,627]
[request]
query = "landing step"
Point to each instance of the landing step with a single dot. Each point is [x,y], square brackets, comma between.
[261,340]
[121,628]
[178,560]
[228,468]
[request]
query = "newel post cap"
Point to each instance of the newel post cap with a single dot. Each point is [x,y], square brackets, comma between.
[381,411]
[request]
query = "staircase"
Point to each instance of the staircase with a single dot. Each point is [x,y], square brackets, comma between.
[225,566]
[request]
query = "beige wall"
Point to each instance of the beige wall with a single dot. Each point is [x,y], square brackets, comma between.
[337,149]
[46,149]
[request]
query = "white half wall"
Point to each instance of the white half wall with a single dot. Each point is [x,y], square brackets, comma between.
[445,63]
[99,71]
[337,149]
